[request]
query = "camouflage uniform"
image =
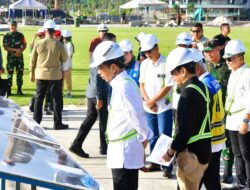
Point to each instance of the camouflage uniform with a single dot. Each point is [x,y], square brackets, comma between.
[14,40]
[221,72]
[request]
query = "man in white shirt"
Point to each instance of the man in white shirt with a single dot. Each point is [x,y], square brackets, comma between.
[238,111]
[198,37]
[156,88]
[127,130]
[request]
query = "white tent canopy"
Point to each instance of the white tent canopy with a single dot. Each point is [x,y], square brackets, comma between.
[28,5]
[143,3]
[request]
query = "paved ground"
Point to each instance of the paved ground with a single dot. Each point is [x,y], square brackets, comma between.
[96,164]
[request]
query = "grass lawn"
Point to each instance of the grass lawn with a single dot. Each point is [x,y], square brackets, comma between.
[81,40]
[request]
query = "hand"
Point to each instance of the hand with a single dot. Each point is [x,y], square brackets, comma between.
[243,128]
[145,143]
[154,108]
[99,104]
[1,70]
[18,52]
[150,103]
[167,156]
[64,74]
[32,77]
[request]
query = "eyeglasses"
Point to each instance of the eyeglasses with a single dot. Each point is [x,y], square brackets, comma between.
[103,31]
[230,59]
[195,31]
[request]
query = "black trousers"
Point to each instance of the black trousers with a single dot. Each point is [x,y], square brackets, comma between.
[56,93]
[125,179]
[241,150]
[211,178]
[92,114]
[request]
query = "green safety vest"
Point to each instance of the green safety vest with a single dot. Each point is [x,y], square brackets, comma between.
[202,134]
[126,136]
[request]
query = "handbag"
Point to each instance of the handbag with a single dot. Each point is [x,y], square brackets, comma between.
[188,163]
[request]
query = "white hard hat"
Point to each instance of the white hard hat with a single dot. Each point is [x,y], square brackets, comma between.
[49,24]
[197,54]
[234,47]
[66,33]
[58,28]
[148,42]
[105,51]
[184,38]
[40,30]
[178,56]
[139,37]
[126,46]
[102,27]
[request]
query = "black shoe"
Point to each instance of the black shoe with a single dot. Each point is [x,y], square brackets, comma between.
[235,187]
[153,167]
[103,151]
[167,173]
[61,126]
[19,92]
[48,112]
[78,151]
[227,179]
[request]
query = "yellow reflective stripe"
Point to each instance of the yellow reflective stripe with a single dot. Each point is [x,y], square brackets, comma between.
[125,137]
[202,134]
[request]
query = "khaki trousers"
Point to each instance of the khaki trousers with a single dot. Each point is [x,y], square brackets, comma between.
[68,80]
[185,183]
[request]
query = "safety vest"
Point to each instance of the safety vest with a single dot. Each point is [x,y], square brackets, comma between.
[124,137]
[230,99]
[202,134]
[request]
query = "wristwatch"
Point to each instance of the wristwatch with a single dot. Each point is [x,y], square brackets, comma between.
[246,121]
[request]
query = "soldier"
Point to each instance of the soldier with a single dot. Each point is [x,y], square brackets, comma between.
[14,43]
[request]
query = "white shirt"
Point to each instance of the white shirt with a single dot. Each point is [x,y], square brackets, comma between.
[70,51]
[200,43]
[126,114]
[153,84]
[239,87]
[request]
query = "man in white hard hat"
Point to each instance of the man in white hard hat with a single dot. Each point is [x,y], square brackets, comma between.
[46,70]
[238,111]
[67,66]
[127,130]
[132,66]
[192,141]
[211,178]
[156,88]
[219,70]
[184,39]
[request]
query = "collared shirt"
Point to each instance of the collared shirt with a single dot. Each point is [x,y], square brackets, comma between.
[200,42]
[155,77]
[126,114]
[46,63]
[221,73]
[133,70]
[238,91]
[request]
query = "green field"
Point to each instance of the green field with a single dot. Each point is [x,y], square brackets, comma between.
[81,40]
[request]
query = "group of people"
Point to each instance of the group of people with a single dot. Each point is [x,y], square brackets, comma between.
[201,88]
